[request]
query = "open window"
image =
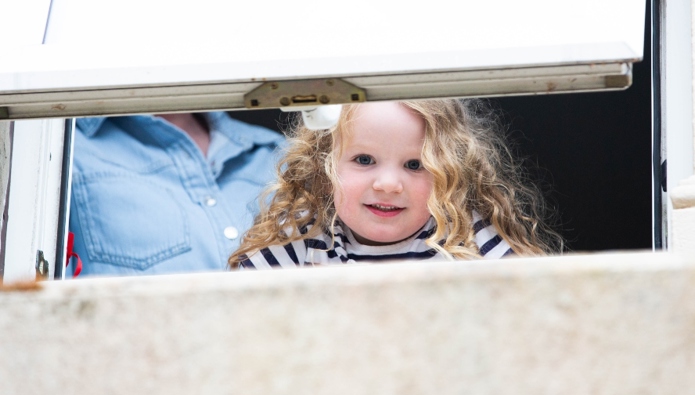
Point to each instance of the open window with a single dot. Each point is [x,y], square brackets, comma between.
[108,58]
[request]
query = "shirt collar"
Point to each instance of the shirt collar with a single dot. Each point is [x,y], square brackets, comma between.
[242,132]
[89,126]
[404,245]
[233,129]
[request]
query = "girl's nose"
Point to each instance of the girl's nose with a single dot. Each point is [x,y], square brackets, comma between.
[388,181]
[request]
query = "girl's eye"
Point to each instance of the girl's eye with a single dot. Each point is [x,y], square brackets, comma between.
[413,164]
[364,160]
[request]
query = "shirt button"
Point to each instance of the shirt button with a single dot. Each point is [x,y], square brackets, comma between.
[231,232]
[210,201]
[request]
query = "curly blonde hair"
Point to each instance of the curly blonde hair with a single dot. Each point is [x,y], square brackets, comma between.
[472,169]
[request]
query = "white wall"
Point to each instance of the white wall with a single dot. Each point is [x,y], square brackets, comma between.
[677,97]
[681,138]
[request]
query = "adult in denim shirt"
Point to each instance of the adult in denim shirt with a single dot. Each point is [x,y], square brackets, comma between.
[165,194]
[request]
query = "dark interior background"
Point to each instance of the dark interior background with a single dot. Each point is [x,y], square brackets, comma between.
[590,152]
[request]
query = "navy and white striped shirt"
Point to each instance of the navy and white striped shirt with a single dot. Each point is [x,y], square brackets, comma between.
[346,249]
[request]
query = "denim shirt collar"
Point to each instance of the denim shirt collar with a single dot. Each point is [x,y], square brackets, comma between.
[89,126]
[241,132]
[233,129]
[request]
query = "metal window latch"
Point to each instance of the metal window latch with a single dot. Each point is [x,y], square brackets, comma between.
[303,93]
[41,265]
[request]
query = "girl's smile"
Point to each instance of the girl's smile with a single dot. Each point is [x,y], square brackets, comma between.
[383,190]
[384,210]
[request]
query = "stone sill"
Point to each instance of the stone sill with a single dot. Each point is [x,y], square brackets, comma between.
[612,323]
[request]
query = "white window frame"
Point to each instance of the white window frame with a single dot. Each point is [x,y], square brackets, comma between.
[57,80]
[34,202]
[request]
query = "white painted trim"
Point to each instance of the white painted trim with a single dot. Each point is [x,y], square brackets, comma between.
[32,223]
[57,68]
[94,101]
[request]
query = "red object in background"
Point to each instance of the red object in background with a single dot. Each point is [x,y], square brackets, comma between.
[71,253]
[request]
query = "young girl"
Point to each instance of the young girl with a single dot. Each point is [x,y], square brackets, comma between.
[397,180]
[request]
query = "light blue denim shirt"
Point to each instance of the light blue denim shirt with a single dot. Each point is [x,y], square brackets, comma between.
[146,201]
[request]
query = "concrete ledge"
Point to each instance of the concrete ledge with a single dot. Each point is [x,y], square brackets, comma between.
[594,324]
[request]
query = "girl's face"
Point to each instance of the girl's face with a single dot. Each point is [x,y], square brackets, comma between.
[382,196]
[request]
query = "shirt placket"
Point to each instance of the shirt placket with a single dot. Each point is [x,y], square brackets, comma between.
[199,183]
[230,221]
